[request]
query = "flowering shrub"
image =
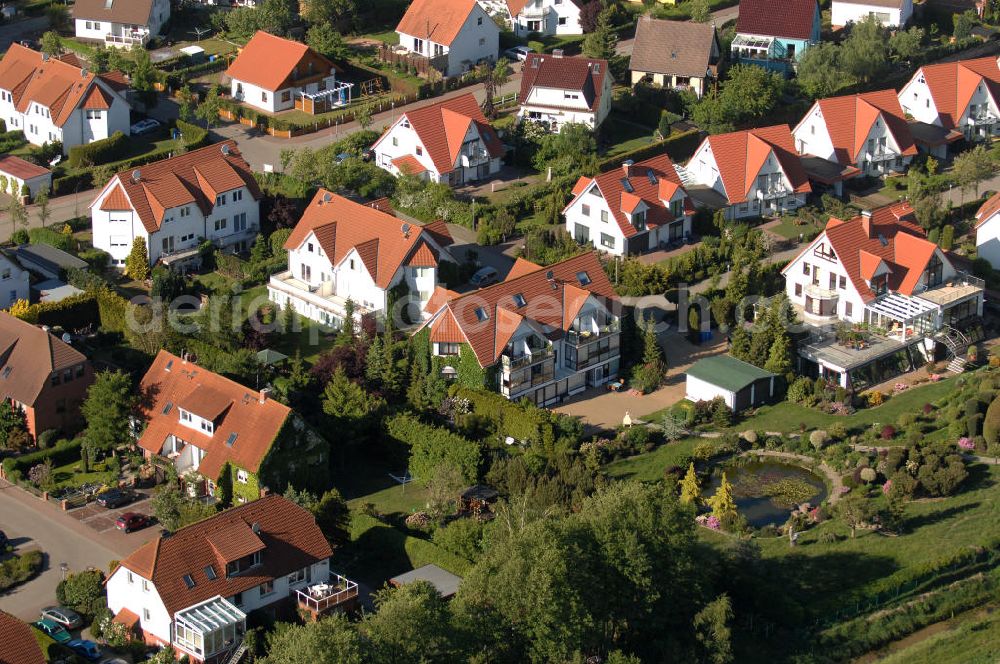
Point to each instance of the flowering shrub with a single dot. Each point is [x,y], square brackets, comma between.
[965,443]
[888,432]
[928,409]
[845,490]
[899,387]
[874,398]
[935,377]
[708,521]
[887,487]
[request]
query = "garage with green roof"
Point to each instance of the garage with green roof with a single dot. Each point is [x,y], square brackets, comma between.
[741,384]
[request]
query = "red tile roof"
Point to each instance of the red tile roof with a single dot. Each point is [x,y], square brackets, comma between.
[57,85]
[793,19]
[21,169]
[408,164]
[644,189]
[739,156]
[548,303]
[28,357]
[988,209]
[17,642]
[193,178]
[289,534]
[858,244]
[341,225]
[576,74]
[442,127]
[116,200]
[273,63]
[97,99]
[952,85]
[849,120]
[237,412]
[438,230]
[521,268]
[438,21]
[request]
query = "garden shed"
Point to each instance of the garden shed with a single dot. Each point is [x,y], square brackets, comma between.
[741,384]
[443,581]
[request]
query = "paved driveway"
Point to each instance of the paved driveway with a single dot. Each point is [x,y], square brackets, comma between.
[34,524]
[102,520]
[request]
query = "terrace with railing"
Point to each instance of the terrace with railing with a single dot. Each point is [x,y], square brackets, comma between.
[320,598]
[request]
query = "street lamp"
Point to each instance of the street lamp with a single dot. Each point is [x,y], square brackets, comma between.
[63,567]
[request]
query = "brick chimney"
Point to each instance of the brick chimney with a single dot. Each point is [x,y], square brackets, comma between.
[627,167]
[866,222]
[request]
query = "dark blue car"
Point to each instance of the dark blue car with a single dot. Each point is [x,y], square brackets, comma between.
[86,649]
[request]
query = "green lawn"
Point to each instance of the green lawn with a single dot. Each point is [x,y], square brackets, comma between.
[650,467]
[70,475]
[388,37]
[790,230]
[623,135]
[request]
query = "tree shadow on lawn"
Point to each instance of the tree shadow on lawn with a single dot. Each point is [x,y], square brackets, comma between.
[375,557]
[825,582]
[929,519]
[979,478]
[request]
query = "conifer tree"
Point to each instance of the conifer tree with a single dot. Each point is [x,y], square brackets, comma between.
[690,491]
[722,502]
[137,261]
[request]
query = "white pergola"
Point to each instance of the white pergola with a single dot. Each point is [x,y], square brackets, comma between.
[209,627]
[902,315]
[337,96]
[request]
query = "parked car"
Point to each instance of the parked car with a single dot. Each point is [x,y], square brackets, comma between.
[130,521]
[52,629]
[60,615]
[484,276]
[86,649]
[518,53]
[342,157]
[144,126]
[115,498]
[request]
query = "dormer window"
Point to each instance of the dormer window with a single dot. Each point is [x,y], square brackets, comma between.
[639,220]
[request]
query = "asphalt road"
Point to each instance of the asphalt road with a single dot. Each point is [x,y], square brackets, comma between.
[29,28]
[33,524]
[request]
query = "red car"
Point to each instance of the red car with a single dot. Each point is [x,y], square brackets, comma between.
[130,521]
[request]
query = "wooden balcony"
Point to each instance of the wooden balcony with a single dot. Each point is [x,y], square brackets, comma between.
[340,594]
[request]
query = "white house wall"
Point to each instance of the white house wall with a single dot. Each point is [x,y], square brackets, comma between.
[562,18]
[402,140]
[843,13]
[988,241]
[794,277]
[132,596]
[14,283]
[916,99]
[699,390]
[812,136]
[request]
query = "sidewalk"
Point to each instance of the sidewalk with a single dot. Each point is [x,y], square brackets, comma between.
[61,210]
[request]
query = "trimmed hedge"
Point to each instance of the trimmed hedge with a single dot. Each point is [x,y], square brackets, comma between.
[509,418]
[74,312]
[103,151]
[432,446]
[50,237]
[680,147]
[991,424]
[65,451]
[193,136]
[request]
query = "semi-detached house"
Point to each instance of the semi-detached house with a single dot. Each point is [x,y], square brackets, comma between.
[450,141]
[341,250]
[52,99]
[749,173]
[637,208]
[192,589]
[542,334]
[952,100]
[178,203]
[544,17]
[879,271]
[454,35]
[120,23]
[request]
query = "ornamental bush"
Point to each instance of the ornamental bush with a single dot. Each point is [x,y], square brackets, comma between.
[818,439]
[888,432]
[432,446]
[991,423]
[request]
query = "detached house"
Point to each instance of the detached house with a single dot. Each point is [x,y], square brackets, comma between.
[952,100]
[450,141]
[542,334]
[890,13]
[214,430]
[637,208]
[545,17]
[178,203]
[15,281]
[454,35]
[749,173]
[867,132]
[879,270]
[120,23]
[341,250]
[192,589]
[988,231]
[17,642]
[556,91]
[43,376]
[51,100]
[275,74]
[675,54]
[775,33]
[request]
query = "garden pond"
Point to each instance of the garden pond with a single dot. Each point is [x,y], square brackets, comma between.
[766,491]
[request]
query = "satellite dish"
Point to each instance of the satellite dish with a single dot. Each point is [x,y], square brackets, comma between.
[225,149]
[67,339]
[550,275]
[405,228]
[509,440]
[136,175]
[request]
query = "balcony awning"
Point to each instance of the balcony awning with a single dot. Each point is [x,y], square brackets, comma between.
[901,307]
[751,41]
